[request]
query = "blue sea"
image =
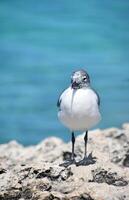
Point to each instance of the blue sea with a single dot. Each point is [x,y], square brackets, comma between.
[41,43]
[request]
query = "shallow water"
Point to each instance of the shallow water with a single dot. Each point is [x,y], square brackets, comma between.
[41,43]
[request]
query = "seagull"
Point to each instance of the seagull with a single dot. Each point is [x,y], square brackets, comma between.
[78,110]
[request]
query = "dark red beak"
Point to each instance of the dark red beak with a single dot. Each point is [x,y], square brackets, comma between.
[75,85]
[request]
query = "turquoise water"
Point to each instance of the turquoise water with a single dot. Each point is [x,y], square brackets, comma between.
[41,43]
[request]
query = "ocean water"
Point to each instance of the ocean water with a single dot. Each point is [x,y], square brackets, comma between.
[41,43]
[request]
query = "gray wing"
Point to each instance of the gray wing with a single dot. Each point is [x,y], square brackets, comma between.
[98,97]
[59,102]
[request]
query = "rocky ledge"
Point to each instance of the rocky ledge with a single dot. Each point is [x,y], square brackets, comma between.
[34,173]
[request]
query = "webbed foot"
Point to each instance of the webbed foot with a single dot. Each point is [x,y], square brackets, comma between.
[87,160]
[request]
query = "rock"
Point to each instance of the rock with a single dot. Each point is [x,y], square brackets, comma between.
[126,159]
[111,178]
[34,173]
[118,142]
[125,126]
[83,196]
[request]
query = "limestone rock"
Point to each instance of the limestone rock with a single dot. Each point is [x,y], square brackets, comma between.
[34,173]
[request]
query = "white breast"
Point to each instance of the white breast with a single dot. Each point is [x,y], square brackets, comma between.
[79,109]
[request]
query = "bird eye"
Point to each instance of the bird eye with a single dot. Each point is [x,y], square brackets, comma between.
[84,78]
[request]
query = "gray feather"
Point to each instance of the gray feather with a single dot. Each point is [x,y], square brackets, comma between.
[58,102]
[98,97]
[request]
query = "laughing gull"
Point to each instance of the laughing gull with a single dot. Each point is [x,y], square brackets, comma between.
[79,111]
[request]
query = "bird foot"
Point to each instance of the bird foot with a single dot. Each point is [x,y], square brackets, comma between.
[87,160]
[68,163]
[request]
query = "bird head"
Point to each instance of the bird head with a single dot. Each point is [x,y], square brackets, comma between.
[80,79]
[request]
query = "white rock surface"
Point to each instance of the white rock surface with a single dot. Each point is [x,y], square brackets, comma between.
[34,173]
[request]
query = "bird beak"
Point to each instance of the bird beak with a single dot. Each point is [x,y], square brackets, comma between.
[75,85]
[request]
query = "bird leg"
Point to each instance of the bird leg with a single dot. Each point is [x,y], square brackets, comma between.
[72,159]
[87,160]
[73,142]
[86,140]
